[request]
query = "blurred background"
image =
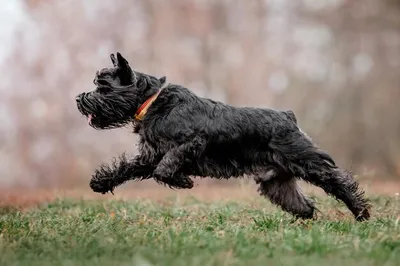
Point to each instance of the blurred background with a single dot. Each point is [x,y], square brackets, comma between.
[335,63]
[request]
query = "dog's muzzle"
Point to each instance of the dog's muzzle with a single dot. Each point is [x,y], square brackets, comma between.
[79,97]
[79,100]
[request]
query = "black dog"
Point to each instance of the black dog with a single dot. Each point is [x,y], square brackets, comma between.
[183,135]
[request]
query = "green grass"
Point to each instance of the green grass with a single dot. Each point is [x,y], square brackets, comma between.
[196,233]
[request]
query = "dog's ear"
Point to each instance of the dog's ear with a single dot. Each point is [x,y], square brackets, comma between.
[162,80]
[122,62]
[126,74]
[113,60]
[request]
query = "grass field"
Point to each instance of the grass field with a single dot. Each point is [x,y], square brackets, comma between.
[196,232]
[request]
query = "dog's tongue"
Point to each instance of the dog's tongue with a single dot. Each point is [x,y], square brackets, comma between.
[89,118]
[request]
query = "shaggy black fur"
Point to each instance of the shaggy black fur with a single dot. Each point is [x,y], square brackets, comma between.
[184,135]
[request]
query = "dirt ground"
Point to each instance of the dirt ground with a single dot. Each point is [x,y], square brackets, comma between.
[23,198]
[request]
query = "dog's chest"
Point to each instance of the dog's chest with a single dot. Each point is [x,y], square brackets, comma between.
[150,143]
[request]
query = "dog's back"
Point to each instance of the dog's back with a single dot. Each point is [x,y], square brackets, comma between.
[235,135]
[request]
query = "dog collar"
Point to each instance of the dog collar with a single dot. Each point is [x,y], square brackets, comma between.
[141,112]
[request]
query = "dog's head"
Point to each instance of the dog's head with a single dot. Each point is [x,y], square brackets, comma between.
[119,93]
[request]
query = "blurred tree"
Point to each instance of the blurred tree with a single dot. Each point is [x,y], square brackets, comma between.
[335,63]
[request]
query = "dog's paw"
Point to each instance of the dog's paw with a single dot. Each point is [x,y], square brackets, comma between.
[185,182]
[102,186]
[177,182]
[103,180]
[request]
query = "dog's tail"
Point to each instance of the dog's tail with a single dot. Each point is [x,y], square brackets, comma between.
[309,146]
[298,154]
[322,155]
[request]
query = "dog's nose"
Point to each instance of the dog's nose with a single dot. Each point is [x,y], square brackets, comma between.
[78,97]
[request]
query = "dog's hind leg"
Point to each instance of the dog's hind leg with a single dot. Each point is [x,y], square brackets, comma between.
[167,170]
[298,155]
[340,184]
[284,191]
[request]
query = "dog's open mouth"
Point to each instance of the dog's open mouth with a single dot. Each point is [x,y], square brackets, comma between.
[89,118]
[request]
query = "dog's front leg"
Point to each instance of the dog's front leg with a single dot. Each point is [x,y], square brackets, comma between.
[168,168]
[108,177]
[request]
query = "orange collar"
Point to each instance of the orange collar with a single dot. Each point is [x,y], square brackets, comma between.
[141,112]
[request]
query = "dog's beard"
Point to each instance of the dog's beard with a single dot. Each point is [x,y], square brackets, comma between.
[107,111]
